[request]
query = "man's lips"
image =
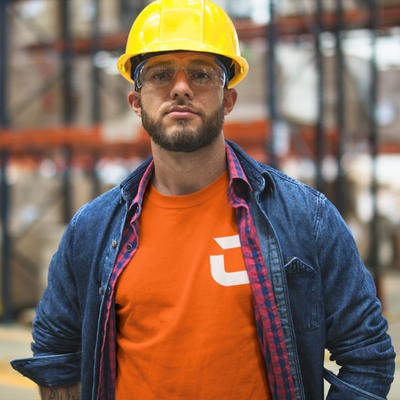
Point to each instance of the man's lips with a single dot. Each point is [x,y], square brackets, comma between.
[181,112]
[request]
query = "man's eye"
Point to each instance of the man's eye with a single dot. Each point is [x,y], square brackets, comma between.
[201,75]
[160,75]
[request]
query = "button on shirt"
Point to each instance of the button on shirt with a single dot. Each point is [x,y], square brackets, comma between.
[266,315]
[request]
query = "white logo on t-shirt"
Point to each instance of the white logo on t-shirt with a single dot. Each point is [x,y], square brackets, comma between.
[218,265]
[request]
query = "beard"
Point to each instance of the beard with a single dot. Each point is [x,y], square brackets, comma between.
[185,139]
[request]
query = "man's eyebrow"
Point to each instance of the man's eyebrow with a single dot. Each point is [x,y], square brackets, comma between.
[162,64]
[202,63]
[197,62]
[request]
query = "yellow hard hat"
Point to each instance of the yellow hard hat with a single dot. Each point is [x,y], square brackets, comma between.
[189,25]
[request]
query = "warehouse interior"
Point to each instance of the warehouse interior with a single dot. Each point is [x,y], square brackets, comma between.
[320,104]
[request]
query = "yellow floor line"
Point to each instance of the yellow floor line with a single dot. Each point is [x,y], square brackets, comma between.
[10,377]
[22,382]
[15,335]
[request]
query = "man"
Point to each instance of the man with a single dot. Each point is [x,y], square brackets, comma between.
[205,275]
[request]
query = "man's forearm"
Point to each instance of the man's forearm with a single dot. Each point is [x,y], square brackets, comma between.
[70,392]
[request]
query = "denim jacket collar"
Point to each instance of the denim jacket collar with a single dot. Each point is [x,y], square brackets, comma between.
[129,187]
[257,173]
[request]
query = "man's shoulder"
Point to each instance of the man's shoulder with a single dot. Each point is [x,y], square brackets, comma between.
[115,197]
[264,177]
[98,209]
[287,183]
[291,199]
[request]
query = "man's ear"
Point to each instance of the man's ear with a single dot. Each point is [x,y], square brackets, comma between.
[230,97]
[134,102]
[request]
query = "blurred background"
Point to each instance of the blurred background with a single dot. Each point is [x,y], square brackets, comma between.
[321,103]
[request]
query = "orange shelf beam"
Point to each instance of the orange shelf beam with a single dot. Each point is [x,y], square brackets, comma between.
[251,136]
[297,24]
[82,141]
[248,30]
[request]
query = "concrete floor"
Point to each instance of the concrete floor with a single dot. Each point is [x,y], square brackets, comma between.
[15,343]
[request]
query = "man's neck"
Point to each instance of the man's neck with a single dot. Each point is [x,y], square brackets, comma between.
[178,174]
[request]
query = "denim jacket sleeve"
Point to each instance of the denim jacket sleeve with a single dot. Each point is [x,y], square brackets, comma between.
[355,329]
[57,325]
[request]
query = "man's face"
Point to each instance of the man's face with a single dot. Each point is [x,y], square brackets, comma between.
[183,111]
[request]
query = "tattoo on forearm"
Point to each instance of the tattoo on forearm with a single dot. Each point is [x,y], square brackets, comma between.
[70,392]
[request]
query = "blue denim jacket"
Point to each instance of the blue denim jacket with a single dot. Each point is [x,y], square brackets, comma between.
[325,296]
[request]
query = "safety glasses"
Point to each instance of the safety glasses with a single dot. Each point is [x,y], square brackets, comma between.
[160,71]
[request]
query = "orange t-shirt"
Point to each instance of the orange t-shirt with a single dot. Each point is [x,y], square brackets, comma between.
[184,307]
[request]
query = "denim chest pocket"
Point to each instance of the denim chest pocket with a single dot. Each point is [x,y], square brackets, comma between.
[302,285]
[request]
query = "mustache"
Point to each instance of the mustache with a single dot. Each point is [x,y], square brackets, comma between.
[182,102]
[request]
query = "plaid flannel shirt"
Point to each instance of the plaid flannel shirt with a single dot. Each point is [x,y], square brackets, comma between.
[267,321]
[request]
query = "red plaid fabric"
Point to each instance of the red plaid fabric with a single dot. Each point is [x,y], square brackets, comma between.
[267,321]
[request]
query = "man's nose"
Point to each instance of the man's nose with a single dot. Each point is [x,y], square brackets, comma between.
[181,86]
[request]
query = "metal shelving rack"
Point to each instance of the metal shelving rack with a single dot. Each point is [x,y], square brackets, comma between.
[80,141]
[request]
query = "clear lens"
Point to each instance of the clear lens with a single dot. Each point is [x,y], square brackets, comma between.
[160,76]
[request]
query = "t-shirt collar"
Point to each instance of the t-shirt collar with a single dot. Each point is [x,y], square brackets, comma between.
[235,172]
